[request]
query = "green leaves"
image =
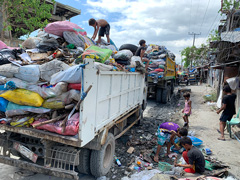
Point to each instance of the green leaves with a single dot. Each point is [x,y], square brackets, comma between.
[25,16]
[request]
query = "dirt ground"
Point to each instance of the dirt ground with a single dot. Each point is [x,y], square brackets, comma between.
[203,121]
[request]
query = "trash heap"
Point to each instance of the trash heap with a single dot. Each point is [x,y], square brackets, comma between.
[157,56]
[40,82]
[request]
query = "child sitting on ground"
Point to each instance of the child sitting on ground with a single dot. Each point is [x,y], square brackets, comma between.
[187,109]
[193,157]
[166,134]
[102,26]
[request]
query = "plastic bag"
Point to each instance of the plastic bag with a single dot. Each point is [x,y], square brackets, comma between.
[48,45]
[57,28]
[6,56]
[4,46]
[19,83]
[27,121]
[29,73]
[134,59]
[67,97]
[73,38]
[74,86]
[112,47]
[95,52]
[50,68]
[88,41]
[72,126]
[123,55]
[3,104]
[3,80]
[56,104]
[71,75]
[31,42]
[103,67]
[15,109]
[44,92]
[60,88]
[23,97]
[8,70]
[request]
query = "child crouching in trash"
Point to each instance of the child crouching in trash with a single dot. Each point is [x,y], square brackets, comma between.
[166,134]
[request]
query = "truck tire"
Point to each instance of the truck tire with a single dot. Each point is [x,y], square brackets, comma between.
[172,88]
[101,161]
[84,161]
[159,95]
[130,47]
[166,94]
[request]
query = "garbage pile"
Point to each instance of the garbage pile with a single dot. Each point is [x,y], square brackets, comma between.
[41,80]
[157,56]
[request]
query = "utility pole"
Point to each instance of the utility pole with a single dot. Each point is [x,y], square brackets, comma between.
[194,35]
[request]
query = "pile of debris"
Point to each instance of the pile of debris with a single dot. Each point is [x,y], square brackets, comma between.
[41,81]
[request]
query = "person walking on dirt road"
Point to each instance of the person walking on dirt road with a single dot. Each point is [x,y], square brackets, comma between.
[228,108]
[187,109]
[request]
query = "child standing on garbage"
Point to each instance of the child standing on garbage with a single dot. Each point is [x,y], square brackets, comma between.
[140,52]
[166,134]
[228,107]
[102,26]
[193,157]
[187,109]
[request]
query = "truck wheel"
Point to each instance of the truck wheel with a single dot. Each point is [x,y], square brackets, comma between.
[84,161]
[101,161]
[165,95]
[172,88]
[159,95]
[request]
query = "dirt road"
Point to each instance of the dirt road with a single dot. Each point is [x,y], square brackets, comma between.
[205,123]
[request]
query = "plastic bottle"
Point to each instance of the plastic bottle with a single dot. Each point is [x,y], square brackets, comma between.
[117,161]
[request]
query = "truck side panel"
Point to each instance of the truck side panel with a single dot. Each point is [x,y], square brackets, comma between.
[170,70]
[112,94]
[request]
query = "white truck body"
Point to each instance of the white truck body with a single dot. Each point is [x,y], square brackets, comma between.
[114,96]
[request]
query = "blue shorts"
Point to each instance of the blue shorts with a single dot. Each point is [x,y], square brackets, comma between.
[163,137]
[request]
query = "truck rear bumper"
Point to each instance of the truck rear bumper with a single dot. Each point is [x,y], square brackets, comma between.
[38,169]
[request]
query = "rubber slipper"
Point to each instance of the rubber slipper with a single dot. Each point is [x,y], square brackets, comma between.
[221,139]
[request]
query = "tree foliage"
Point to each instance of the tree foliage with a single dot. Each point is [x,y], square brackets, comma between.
[229,4]
[196,55]
[25,16]
[213,36]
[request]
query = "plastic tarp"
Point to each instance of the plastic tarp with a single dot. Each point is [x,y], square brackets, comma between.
[57,28]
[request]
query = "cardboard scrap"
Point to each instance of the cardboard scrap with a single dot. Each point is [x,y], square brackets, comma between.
[130,150]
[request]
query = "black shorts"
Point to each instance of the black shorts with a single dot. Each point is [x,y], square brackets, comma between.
[104,30]
[225,117]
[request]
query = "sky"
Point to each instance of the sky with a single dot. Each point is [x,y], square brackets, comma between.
[163,22]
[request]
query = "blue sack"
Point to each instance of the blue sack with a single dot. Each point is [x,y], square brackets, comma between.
[3,104]
[196,141]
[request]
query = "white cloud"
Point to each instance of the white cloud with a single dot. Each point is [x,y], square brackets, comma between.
[165,22]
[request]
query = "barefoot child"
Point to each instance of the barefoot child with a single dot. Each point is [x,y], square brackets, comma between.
[166,134]
[228,107]
[102,26]
[187,109]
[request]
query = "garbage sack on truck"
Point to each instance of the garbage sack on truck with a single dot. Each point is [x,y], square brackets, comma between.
[53,104]
[57,28]
[7,55]
[29,73]
[50,68]
[67,97]
[95,52]
[15,109]
[31,42]
[102,67]
[26,121]
[3,104]
[44,92]
[88,41]
[23,97]
[123,55]
[4,46]
[73,38]
[8,70]
[71,75]
[72,126]
[134,59]
[48,45]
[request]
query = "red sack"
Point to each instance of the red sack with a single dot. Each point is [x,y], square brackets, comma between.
[72,126]
[57,28]
[159,70]
[74,86]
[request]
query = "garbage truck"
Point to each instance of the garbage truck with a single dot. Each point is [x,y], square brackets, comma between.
[161,84]
[112,106]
